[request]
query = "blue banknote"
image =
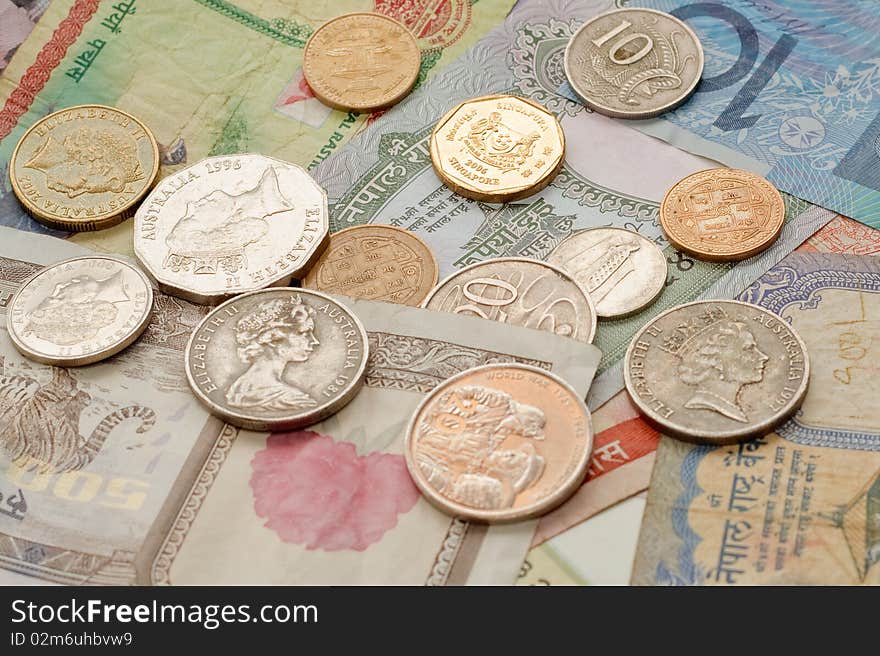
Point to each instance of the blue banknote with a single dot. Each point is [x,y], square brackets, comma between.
[800,505]
[790,90]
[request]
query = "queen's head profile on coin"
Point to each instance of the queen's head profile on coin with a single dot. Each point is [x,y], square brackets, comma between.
[719,361]
[275,334]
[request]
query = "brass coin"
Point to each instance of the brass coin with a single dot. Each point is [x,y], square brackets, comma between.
[84,168]
[376,263]
[499,443]
[497,149]
[722,215]
[361,62]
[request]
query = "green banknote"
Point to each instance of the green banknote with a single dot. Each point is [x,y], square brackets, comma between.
[209,77]
[800,506]
[613,175]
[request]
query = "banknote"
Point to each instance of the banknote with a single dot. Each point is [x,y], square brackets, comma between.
[625,443]
[612,175]
[171,63]
[597,552]
[790,90]
[17,19]
[801,505]
[843,235]
[114,473]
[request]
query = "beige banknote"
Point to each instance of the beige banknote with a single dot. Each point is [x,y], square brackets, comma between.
[209,77]
[801,505]
[171,495]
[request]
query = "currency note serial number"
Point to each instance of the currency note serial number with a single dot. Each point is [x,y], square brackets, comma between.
[82,487]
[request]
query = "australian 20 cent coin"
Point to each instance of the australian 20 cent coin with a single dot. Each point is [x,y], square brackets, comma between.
[623,271]
[722,214]
[497,148]
[230,224]
[277,359]
[717,372]
[521,292]
[361,62]
[80,311]
[376,263]
[633,62]
[84,168]
[499,443]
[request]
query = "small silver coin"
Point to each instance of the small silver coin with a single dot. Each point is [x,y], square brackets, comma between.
[623,271]
[80,311]
[518,291]
[633,63]
[231,224]
[277,359]
[717,372]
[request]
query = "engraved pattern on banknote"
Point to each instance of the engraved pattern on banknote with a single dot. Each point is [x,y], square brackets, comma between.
[785,286]
[284,31]
[65,566]
[452,544]
[419,364]
[39,422]
[536,60]
[477,472]
[161,566]
[589,194]
[858,519]
[516,229]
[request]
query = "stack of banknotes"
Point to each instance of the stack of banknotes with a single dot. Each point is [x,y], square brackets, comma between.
[175,495]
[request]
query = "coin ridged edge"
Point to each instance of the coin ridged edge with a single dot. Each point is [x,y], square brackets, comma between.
[614,113]
[729,437]
[280,424]
[550,502]
[81,361]
[362,109]
[557,269]
[108,220]
[722,257]
[508,196]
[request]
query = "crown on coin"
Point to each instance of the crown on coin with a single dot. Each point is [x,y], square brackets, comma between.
[685,332]
[207,261]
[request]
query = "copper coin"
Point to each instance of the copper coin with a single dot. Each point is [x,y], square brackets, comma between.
[497,149]
[376,263]
[361,62]
[499,443]
[722,215]
[84,168]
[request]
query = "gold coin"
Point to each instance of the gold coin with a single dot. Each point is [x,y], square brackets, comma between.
[497,148]
[377,263]
[84,168]
[722,215]
[361,62]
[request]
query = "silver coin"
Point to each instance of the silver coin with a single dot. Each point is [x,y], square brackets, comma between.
[80,311]
[518,291]
[633,63]
[277,359]
[229,225]
[717,372]
[623,271]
